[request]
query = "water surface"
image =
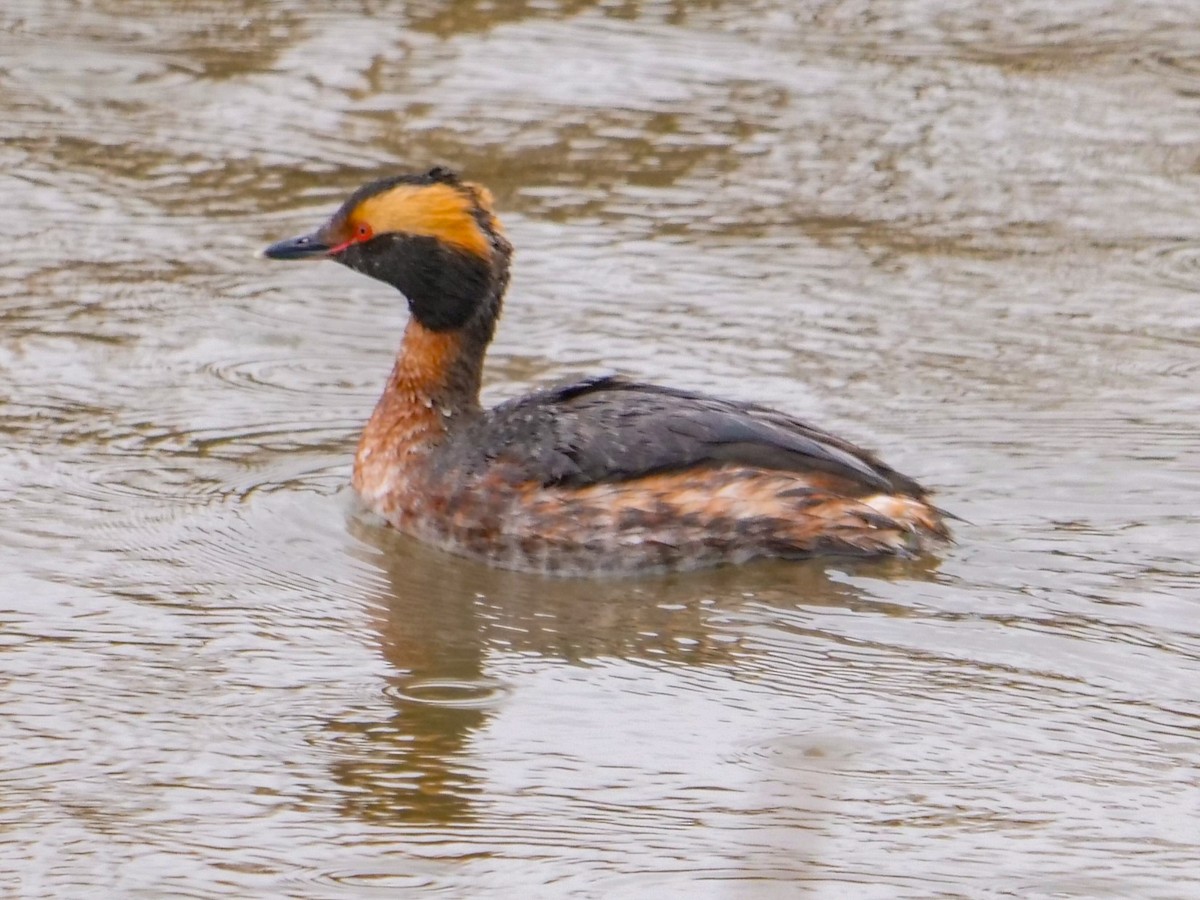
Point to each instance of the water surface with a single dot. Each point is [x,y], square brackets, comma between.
[965,237]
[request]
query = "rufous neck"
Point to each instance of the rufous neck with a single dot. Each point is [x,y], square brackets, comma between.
[440,369]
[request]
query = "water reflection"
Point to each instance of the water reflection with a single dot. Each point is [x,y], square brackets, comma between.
[441,623]
[446,625]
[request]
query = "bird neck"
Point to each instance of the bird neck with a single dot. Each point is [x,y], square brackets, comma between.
[441,370]
[433,388]
[434,385]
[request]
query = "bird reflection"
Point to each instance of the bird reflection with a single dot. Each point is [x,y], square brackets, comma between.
[446,625]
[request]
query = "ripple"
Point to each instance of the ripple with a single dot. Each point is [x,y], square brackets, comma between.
[1179,68]
[292,374]
[180,483]
[840,755]
[452,693]
[1176,264]
[373,877]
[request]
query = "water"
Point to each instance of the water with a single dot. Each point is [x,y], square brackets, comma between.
[966,237]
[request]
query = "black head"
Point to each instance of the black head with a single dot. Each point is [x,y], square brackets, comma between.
[432,236]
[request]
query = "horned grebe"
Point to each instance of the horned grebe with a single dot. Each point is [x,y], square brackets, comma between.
[601,475]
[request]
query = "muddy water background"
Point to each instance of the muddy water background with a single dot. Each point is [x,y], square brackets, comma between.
[970,238]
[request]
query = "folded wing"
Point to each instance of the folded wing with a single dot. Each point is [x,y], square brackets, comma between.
[608,429]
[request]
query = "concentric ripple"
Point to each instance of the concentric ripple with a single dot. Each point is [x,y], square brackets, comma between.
[452,693]
[1176,265]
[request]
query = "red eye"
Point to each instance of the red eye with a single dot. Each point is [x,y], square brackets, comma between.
[363,232]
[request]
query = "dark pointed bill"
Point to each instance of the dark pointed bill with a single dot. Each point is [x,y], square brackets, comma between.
[307,246]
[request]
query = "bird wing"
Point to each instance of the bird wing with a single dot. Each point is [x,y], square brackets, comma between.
[609,429]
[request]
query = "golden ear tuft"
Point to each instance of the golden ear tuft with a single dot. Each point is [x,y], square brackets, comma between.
[486,203]
[440,210]
[482,195]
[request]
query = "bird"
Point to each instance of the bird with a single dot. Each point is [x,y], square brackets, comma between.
[596,476]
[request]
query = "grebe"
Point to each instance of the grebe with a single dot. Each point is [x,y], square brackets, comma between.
[601,475]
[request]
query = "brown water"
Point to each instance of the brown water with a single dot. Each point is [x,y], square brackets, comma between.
[969,238]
